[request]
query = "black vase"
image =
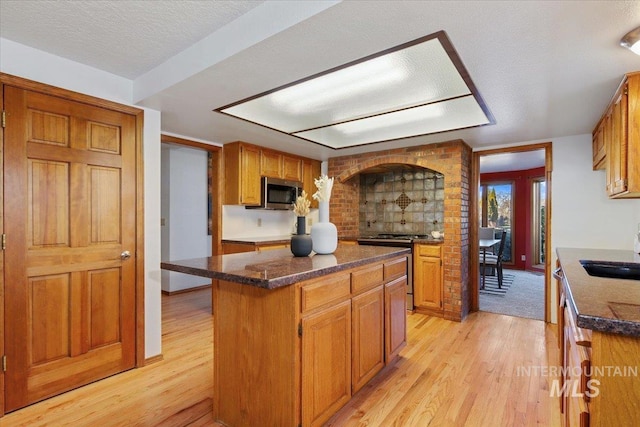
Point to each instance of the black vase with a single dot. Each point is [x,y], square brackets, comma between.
[301,243]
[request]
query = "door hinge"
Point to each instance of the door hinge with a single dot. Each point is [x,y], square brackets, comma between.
[4,363]
[4,242]
[4,118]
[300,329]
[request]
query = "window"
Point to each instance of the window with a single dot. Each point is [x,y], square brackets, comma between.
[496,210]
[538,232]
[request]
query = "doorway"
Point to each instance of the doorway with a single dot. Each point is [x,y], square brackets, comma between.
[513,196]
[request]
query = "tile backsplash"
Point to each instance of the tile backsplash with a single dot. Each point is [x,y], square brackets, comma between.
[402,201]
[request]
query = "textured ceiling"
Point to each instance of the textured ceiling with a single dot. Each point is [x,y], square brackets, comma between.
[126,38]
[545,69]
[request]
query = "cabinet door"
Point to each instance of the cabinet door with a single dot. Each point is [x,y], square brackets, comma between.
[367,342]
[617,149]
[427,282]
[291,168]
[326,363]
[249,176]
[395,299]
[310,171]
[271,164]
[598,147]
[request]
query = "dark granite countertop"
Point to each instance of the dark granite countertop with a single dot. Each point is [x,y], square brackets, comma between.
[602,304]
[278,267]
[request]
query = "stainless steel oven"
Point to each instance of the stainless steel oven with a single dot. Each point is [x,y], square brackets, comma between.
[398,241]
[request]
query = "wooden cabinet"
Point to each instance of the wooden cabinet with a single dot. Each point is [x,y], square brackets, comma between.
[616,140]
[294,355]
[242,173]
[367,311]
[237,247]
[427,278]
[245,164]
[326,363]
[395,299]
[291,168]
[310,171]
[595,388]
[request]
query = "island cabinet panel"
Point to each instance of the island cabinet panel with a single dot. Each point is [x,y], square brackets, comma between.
[367,359]
[294,355]
[395,299]
[256,355]
[326,363]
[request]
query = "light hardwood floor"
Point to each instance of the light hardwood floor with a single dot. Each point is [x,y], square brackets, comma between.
[450,374]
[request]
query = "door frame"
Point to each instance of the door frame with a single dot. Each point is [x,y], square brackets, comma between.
[217,180]
[22,83]
[473,227]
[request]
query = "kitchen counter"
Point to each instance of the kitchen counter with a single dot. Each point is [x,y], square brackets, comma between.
[275,268]
[602,304]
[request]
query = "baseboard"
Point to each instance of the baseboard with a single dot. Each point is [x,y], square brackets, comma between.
[153,359]
[182,291]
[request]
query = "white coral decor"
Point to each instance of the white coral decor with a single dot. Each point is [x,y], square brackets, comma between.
[324,185]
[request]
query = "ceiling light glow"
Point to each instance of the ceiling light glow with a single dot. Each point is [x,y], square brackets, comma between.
[631,41]
[417,88]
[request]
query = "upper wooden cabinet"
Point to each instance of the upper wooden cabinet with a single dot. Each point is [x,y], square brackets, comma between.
[310,171]
[242,172]
[245,164]
[616,140]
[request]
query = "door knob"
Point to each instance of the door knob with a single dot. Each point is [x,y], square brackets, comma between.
[125,255]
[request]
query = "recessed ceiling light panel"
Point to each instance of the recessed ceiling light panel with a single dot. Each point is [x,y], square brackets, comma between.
[417,88]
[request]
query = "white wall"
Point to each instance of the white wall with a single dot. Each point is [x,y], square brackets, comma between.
[238,222]
[43,67]
[582,215]
[184,210]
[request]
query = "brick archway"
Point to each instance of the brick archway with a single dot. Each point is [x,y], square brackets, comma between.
[453,160]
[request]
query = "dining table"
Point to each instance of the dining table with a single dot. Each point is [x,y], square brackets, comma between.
[486,244]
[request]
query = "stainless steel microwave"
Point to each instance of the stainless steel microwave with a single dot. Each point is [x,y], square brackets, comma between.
[278,194]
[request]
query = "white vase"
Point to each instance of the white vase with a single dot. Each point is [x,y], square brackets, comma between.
[324,234]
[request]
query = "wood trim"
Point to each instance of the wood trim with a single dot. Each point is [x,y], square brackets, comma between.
[153,359]
[20,82]
[2,384]
[475,251]
[168,139]
[140,270]
[216,186]
[182,291]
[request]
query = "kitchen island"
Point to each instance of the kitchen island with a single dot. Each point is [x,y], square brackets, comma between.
[295,337]
[599,340]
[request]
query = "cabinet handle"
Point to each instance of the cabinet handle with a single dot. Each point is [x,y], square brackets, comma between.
[557,274]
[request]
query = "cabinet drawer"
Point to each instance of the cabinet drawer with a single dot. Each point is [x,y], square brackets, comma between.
[428,250]
[367,278]
[395,268]
[327,289]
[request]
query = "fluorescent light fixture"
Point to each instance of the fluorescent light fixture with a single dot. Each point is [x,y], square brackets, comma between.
[418,88]
[631,41]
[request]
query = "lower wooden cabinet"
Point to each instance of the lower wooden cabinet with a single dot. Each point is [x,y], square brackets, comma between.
[326,363]
[235,248]
[427,278]
[395,299]
[292,356]
[367,350]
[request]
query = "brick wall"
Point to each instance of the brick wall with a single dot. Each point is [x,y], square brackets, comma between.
[453,160]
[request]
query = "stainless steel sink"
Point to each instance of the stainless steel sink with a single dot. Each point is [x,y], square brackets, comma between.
[612,270]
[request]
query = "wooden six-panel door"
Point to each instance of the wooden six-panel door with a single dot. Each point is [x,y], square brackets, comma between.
[70,218]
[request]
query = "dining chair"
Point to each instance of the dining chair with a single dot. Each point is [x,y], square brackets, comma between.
[495,261]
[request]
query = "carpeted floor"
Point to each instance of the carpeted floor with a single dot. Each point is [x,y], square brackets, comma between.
[522,295]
